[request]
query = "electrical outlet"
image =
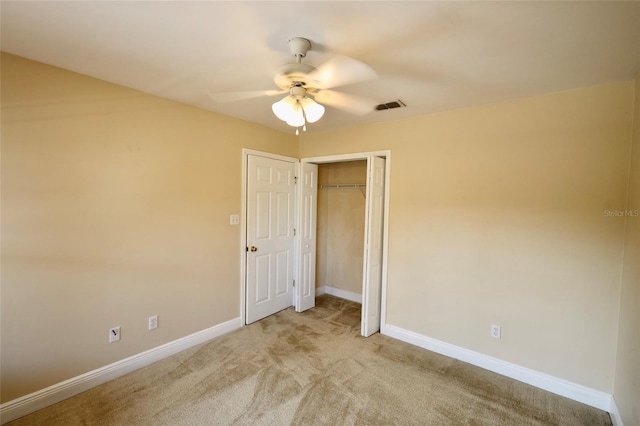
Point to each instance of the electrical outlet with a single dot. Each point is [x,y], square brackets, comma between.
[153,322]
[114,334]
[234,219]
[495,331]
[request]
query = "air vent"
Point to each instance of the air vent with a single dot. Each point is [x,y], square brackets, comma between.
[391,105]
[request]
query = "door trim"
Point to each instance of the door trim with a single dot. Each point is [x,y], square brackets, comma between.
[387,186]
[243,223]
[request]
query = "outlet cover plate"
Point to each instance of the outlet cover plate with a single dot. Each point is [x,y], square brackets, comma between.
[495,331]
[153,322]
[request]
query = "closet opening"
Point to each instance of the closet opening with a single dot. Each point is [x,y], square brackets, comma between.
[349,245]
[340,229]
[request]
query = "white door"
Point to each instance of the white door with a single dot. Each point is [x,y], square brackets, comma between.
[374,220]
[270,240]
[307,260]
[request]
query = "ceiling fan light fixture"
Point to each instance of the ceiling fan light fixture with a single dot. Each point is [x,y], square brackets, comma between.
[284,108]
[296,116]
[298,112]
[312,110]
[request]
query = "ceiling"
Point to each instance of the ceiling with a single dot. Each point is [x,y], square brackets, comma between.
[433,56]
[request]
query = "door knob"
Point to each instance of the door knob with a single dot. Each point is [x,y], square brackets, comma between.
[253,248]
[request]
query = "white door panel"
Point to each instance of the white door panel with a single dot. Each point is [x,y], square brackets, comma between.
[270,240]
[372,274]
[307,261]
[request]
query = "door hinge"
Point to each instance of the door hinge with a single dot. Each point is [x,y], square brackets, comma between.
[294,283]
[294,232]
[295,180]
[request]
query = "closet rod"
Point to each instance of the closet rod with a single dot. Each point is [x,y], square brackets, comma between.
[345,185]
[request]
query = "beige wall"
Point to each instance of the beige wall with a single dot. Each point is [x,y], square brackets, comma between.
[115,206]
[340,229]
[497,217]
[627,384]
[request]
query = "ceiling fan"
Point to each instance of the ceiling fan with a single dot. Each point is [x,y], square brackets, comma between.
[309,87]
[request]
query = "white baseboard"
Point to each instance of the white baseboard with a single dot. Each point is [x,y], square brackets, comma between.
[616,418]
[27,404]
[343,294]
[583,394]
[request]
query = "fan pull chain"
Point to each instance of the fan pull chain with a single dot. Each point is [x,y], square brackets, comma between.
[304,117]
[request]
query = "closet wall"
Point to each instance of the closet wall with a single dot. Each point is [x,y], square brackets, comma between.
[341,226]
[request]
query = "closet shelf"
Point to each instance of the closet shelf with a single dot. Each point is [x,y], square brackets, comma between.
[344,185]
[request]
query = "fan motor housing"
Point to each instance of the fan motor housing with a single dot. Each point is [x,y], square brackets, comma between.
[290,75]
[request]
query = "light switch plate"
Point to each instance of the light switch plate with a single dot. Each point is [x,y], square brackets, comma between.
[114,334]
[234,219]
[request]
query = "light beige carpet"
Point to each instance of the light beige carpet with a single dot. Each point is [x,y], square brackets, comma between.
[313,369]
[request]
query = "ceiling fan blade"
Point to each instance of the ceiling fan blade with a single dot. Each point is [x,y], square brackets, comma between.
[339,71]
[356,105]
[223,97]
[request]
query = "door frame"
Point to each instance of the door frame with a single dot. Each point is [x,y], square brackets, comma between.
[385,236]
[316,160]
[243,225]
